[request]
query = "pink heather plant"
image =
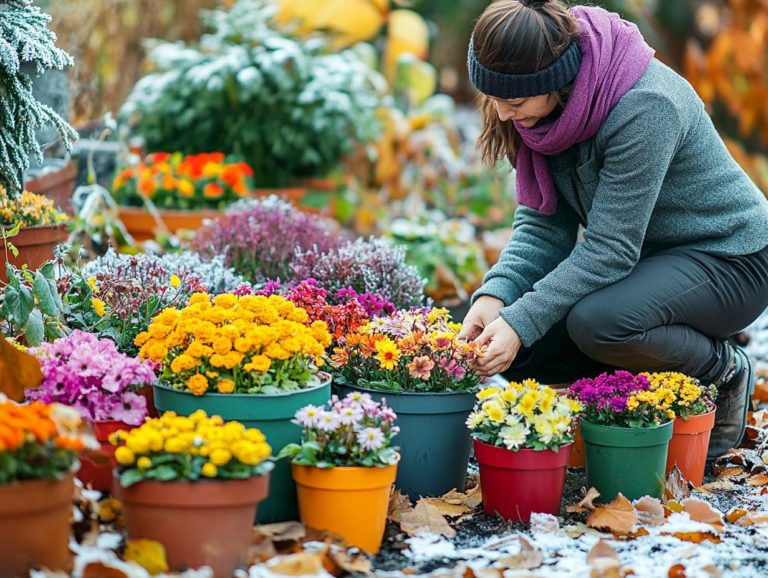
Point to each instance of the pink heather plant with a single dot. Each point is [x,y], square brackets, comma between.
[89,374]
[259,239]
[355,431]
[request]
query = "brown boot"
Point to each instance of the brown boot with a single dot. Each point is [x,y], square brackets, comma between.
[733,401]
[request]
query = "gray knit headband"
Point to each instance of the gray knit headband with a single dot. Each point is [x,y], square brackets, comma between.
[502,85]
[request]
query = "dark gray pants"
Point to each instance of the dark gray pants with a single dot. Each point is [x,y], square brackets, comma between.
[672,313]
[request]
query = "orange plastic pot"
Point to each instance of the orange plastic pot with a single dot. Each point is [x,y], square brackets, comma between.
[35,523]
[35,245]
[349,501]
[96,471]
[688,447]
[576,459]
[202,523]
[142,225]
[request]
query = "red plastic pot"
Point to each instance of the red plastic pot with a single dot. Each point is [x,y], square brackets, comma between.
[97,471]
[516,484]
[689,444]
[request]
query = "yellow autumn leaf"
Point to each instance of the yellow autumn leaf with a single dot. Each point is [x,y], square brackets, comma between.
[348,21]
[18,371]
[149,554]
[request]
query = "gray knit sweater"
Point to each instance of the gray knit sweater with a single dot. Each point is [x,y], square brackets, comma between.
[655,176]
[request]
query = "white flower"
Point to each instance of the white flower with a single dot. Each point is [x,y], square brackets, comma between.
[475,419]
[308,415]
[349,415]
[514,436]
[328,421]
[370,438]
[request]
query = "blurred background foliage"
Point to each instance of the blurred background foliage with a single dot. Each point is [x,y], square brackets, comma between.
[721,46]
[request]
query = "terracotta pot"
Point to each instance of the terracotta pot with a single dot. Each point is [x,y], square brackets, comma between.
[517,483]
[98,472]
[349,501]
[689,444]
[35,245]
[142,225]
[57,185]
[35,526]
[203,523]
[577,452]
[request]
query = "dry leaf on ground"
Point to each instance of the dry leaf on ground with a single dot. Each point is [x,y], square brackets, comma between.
[604,561]
[425,518]
[18,371]
[528,558]
[101,570]
[346,562]
[447,508]
[701,511]
[149,554]
[718,487]
[650,511]
[585,504]
[618,517]
[758,480]
[752,518]
[735,514]
[471,499]
[676,487]
[696,537]
[282,531]
[398,503]
[544,523]
[300,564]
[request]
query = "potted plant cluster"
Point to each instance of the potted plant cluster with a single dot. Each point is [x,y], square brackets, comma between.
[102,384]
[415,359]
[185,190]
[694,409]
[31,227]
[626,428]
[523,433]
[193,484]
[37,460]
[344,467]
[248,358]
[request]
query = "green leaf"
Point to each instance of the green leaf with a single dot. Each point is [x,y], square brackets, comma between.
[12,248]
[130,477]
[13,232]
[162,473]
[34,330]
[47,296]
[17,305]
[289,451]
[10,272]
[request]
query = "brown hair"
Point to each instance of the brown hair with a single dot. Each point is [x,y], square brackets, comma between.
[518,37]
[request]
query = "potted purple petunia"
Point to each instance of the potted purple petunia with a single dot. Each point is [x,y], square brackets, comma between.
[90,375]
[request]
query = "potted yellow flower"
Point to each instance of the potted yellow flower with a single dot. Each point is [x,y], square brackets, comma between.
[193,484]
[254,359]
[523,433]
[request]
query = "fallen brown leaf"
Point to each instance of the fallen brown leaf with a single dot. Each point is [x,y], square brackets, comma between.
[759,419]
[486,572]
[149,554]
[701,511]
[734,514]
[18,371]
[544,523]
[713,571]
[672,506]
[282,531]
[649,511]
[528,558]
[676,487]
[585,503]
[752,518]
[296,564]
[398,503]
[758,480]
[697,537]
[425,518]
[349,563]
[618,517]
[720,486]
[101,570]
[676,571]
[732,473]
[604,561]
[447,508]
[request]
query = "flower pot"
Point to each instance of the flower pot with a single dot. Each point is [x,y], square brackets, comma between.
[55,181]
[142,225]
[626,460]
[35,526]
[577,451]
[202,523]
[688,448]
[434,440]
[35,245]
[348,501]
[98,472]
[272,414]
[517,483]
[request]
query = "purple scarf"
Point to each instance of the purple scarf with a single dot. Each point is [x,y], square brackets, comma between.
[614,57]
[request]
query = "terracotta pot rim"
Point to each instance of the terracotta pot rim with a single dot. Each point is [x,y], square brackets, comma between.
[695,424]
[187,493]
[324,383]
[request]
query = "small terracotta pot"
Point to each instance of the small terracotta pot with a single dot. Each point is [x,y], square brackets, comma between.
[689,444]
[203,523]
[98,473]
[35,245]
[349,501]
[57,184]
[577,452]
[35,518]
[142,225]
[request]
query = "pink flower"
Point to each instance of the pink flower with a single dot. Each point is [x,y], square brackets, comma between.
[370,438]
[421,367]
[349,415]
[307,416]
[328,421]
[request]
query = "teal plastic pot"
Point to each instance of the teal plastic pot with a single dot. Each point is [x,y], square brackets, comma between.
[272,414]
[434,440]
[625,460]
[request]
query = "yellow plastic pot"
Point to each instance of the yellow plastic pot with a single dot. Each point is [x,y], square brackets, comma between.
[349,501]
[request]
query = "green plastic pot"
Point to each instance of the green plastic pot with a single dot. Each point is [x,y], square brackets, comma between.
[434,440]
[625,460]
[272,414]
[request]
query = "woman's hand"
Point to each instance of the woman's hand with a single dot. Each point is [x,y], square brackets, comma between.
[502,344]
[482,313]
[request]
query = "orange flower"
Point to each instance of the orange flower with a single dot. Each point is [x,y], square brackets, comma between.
[213,191]
[147,187]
